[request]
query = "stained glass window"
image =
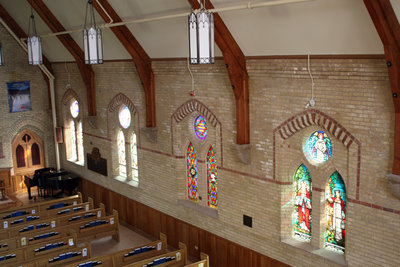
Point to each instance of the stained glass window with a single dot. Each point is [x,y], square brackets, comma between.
[336,201]
[121,154]
[318,147]
[200,127]
[212,178]
[125,117]
[74,155]
[79,141]
[74,108]
[192,173]
[302,203]
[135,172]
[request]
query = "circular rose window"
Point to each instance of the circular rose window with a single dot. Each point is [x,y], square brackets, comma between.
[125,117]
[318,147]
[200,127]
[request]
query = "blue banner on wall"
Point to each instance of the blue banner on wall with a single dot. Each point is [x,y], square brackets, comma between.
[19,96]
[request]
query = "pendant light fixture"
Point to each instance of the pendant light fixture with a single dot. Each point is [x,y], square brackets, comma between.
[1,56]
[92,42]
[34,43]
[201,36]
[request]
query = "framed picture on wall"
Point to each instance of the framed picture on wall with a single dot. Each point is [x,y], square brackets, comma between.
[19,96]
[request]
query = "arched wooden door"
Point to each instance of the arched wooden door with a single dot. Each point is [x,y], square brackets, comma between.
[28,152]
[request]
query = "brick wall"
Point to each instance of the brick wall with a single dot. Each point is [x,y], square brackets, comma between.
[16,69]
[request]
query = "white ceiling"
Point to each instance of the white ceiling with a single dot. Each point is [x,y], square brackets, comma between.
[314,27]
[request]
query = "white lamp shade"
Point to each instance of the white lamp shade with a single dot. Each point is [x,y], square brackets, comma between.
[205,35]
[35,50]
[193,39]
[93,46]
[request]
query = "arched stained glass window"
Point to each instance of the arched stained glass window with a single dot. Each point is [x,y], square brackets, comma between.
[20,153]
[200,127]
[134,160]
[318,147]
[212,178]
[302,203]
[121,154]
[74,108]
[35,152]
[125,117]
[336,201]
[73,155]
[192,173]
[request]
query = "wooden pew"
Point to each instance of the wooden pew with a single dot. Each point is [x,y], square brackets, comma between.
[29,253]
[40,206]
[176,258]
[57,258]
[50,223]
[204,262]
[86,231]
[128,256]
[16,221]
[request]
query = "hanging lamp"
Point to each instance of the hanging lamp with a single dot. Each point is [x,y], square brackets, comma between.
[201,36]
[34,43]
[92,41]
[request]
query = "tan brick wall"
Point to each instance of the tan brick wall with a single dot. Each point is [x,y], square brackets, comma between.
[16,69]
[353,92]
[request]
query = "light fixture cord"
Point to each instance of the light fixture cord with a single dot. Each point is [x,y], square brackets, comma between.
[309,73]
[191,74]
[69,77]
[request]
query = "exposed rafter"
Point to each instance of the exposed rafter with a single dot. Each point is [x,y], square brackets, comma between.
[139,56]
[236,65]
[20,33]
[69,43]
[388,28]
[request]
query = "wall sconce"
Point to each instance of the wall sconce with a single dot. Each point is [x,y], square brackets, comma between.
[92,42]
[201,36]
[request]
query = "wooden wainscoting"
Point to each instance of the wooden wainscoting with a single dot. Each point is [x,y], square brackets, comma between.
[222,252]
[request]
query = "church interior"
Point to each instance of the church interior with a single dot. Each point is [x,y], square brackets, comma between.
[244,133]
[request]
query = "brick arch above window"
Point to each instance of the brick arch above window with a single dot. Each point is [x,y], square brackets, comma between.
[69,95]
[119,99]
[195,105]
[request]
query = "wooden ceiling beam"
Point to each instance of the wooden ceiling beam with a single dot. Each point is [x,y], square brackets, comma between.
[236,65]
[20,33]
[86,71]
[139,56]
[388,28]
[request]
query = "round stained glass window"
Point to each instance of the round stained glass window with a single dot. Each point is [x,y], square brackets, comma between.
[318,147]
[200,127]
[74,109]
[125,117]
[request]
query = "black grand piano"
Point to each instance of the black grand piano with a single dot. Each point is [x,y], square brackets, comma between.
[50,180]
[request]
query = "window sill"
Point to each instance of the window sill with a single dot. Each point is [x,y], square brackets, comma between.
[126,181]
[197,207]
[80,163]
[321,252]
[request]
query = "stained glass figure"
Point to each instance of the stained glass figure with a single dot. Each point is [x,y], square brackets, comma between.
[125,117]
[74,108]
[121,154]
[336,201]
[302,203]
[212,178]
[134,160]
[74,155]
[200,127]
[192,173]
[318,147]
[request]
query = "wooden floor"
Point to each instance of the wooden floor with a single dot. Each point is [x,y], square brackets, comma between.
[129,237]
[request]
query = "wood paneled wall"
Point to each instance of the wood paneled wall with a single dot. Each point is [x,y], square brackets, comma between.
[222,252]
